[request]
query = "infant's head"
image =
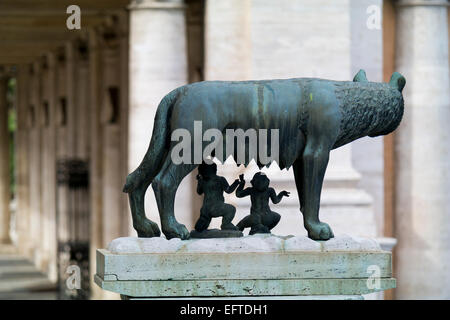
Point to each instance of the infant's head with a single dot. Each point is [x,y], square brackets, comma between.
[260,181]
[207,170]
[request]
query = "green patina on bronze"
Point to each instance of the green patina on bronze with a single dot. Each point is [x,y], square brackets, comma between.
[313,116]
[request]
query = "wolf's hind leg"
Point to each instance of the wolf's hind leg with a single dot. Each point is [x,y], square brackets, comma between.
[165,186]
[144,227]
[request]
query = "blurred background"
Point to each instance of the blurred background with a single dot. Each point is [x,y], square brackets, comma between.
[79,88]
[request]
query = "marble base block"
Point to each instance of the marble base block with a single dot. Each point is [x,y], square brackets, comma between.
[250,266]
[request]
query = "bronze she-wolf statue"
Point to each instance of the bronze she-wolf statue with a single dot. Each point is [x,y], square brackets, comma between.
[313,116]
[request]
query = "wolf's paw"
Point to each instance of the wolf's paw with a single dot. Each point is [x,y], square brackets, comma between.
[319,231]
[176,230]
[146,228]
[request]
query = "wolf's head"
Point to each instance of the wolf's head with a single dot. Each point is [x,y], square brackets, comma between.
[393,110]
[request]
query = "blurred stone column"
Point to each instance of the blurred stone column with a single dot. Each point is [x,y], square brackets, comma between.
[35,177]
[123,117]
[227,40]
[4,163]
[158,64]
[51,215]
[23,224]
[422,149]
[95,163]
[48,165]
[113,223]
[71,97]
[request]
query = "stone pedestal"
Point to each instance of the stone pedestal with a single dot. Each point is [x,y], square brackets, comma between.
[264,266]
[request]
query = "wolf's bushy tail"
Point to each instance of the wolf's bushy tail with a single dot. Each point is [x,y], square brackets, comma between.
[156,152]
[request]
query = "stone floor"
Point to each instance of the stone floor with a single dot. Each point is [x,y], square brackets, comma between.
[20,280]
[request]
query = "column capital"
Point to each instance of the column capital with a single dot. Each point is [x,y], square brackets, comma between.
[422,3]
[156,4]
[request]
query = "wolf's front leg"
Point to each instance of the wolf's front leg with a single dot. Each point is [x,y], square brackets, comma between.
[309,171]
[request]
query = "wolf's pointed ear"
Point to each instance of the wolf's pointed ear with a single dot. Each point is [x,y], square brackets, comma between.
[397,81]
[360,76]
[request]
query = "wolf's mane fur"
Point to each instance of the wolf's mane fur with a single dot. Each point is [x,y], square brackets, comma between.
[367,109]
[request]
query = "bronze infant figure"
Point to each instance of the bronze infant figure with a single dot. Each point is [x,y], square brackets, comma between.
[261,218]
[313,116]
[213,186]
